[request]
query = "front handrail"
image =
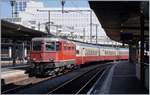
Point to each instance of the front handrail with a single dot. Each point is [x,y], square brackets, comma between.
[146,64]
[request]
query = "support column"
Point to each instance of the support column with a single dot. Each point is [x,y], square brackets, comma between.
[83,34]
[10,52]
[142,45]
[22,50]
[49,19]
[133,48]
[130,53]
[91,26]
[25,51]
[14,55]
[39,26]
[96,32]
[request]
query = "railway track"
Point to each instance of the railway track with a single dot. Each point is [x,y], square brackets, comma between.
[89,76]
[80,84]
[14,88]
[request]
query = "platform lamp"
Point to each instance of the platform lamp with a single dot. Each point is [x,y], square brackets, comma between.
[62,3]
[12,2]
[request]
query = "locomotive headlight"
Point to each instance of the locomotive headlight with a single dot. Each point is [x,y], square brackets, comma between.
[51,59]
[34,59]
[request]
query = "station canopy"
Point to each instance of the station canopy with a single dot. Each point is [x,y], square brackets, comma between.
[121,19]
[16,31]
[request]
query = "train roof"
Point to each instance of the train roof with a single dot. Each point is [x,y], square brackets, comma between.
[46,38]
[76,42]
[92,44]
[98,45]
[50,39]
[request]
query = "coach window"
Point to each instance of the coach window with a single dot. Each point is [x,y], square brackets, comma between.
[77,51]
[105,52]
[36,45]
[50,46]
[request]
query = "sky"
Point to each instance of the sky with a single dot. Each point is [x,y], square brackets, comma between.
[6,8]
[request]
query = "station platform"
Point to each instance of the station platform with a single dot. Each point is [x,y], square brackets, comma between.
[12,75]
[120,79]
[9,64]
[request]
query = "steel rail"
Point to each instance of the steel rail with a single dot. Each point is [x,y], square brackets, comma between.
[12,90]
[79,76]
[98,80]
[90,80]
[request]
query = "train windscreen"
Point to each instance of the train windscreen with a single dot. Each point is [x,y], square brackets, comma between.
[36,45]
[50,46]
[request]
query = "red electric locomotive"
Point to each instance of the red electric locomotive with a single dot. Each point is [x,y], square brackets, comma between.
[51,54]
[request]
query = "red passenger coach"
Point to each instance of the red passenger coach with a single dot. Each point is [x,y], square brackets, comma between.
[86,53]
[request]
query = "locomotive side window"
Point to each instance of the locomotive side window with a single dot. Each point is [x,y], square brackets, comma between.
[57,46]
[69,47]
[36,45]
[50,46]
[65,48]
[73,47]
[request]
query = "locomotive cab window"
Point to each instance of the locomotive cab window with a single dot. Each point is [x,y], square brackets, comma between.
[36,45]
[50,46]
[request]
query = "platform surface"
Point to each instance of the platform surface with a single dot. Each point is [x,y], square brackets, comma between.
[121,79]
[12,75]
[10,65]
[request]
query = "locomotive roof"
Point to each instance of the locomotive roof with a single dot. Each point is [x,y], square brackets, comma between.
[47,39]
